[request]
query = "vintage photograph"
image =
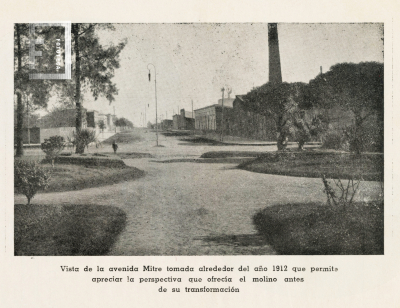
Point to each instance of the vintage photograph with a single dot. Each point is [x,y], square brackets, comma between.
[196,139]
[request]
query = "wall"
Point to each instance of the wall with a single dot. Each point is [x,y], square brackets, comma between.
[206,118]
[46,133]
[34,135]
[249,124]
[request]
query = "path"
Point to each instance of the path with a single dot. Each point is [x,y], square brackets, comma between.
[193,208]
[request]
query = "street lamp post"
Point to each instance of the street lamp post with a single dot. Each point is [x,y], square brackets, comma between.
[27,115]
[222,118]
[155,88]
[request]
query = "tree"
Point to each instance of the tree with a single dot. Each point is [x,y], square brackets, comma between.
[357,88]
[101,125]
[123,123]
[59,116]
[29,177]
[281,102]
[86,137]
[308,126]
[36,92]
[93,68]
[53,147]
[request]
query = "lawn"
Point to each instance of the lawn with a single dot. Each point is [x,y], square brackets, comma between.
[128,136]
[73,229]
[86,173]
[75,177]
[321,229]
[318,229]
[65,230]
[315,164]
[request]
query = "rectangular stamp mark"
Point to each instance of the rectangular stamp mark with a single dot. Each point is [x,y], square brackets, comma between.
[50,50]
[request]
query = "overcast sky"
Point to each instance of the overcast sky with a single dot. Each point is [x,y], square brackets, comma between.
[194,61]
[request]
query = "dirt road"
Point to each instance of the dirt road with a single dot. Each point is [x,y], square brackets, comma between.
[186,208]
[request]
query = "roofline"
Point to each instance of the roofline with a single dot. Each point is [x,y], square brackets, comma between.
[214,105]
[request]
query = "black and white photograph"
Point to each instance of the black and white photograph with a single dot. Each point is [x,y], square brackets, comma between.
[195,153]
[199,139]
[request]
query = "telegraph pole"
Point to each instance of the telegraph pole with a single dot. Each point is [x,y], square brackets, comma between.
[194,124]
[222,124]
[115,126]
[155,89]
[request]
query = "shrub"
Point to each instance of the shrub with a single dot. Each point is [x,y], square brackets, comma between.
[29,178]
[369,138]
[306,128]
[315,229]
[364,138]
[347,192]
[53,147]
[84,138]
[335,140]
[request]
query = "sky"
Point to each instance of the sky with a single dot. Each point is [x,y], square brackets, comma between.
[194,61]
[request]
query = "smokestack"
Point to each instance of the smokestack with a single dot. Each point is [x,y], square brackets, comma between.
[320,70]
[275,74]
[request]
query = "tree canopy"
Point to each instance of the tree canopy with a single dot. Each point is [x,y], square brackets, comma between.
[123,122]
[35,92]
[280,102]
[358,88]
[93,67]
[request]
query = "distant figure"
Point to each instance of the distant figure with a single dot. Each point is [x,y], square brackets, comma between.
[115,147]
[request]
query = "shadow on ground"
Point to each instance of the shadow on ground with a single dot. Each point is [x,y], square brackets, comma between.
[227,160]
[125,155]
[235,240]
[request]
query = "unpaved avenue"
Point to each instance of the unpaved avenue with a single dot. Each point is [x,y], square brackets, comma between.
[193,208]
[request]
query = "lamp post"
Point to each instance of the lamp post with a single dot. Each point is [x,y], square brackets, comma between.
[222,118]
[155,88]
[27,115]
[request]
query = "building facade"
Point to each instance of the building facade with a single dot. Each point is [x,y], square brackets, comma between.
[248,124]
[210,118]
[184,120]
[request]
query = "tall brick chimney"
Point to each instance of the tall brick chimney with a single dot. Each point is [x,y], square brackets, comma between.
[275,74]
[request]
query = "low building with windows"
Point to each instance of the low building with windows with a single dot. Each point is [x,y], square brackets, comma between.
[210,118]
[184,120]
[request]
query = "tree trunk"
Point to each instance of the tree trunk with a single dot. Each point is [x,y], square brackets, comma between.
[20,106]
[357,141]
[80,147]
[282,138]
[282,142]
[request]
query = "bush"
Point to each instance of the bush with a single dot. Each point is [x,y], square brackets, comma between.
[53,147]
[29,178]
[84,138]
[306,128]
[335,140]
[91,160]
[368,139]
[316,229]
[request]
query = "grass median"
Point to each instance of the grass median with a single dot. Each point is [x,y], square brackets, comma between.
[73,229]
[314,164]
[318,229]
[76,173]
[321,229]
[66,230]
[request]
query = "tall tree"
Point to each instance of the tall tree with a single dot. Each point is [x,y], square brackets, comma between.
[36,92]
[280,102]
[357,88]
[93,68]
